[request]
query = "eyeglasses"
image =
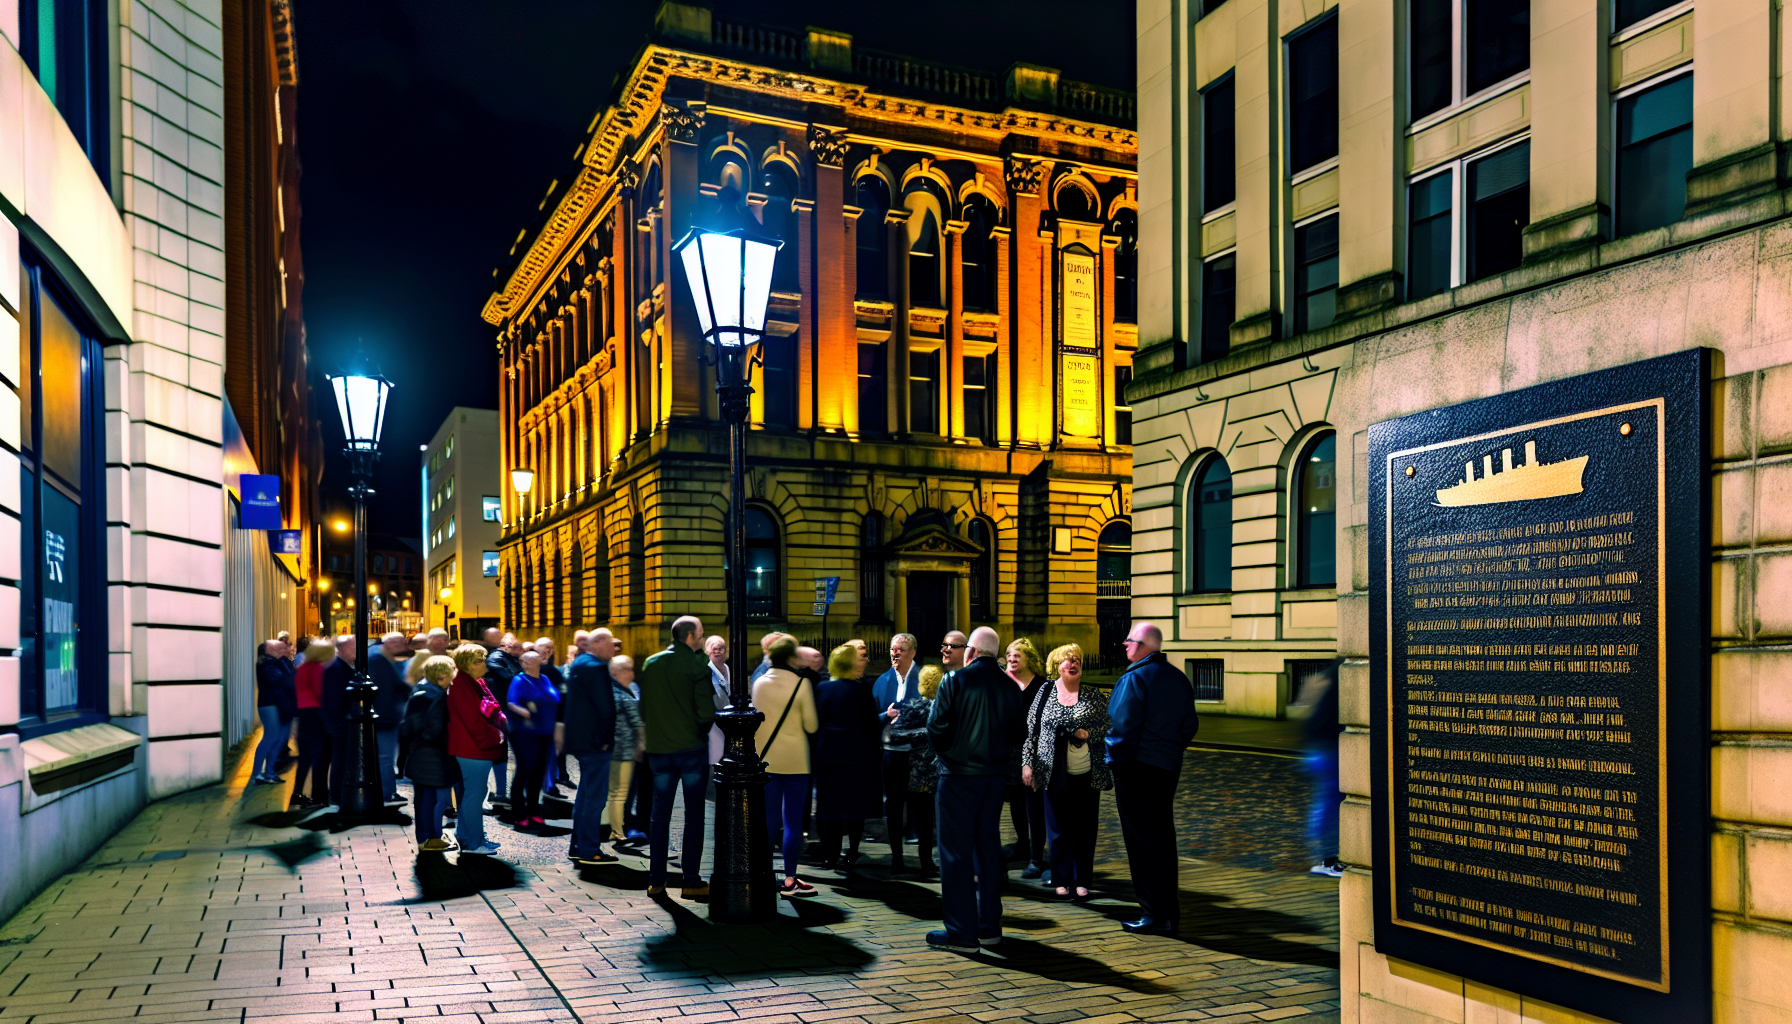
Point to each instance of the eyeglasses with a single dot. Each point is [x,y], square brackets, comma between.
[953,647]
[1130,640]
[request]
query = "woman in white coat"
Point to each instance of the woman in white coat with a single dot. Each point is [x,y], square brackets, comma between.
[788,703]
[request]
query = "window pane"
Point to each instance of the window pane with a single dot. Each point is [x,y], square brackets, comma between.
[1219,149]
[1219,285]
[59,345]
[1629,12]
[1499,207]
[1498,44]
[490,508]
[872,396]
[1316,274]
[1428,251]
[1213,527]
[1122,411]
[1313,96]
[759,525]
[1654,154]
[61,601]
[1318,497]
[1431,46]
[923,392]
[27,374]
[779,375]
[976,394]
[873,197]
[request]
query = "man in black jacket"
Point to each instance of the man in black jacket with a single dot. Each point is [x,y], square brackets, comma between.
[587,730]
[977,728]
[335,704]
[387,673]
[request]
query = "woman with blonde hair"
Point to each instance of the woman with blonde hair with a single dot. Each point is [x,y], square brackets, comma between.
[1026,806]
[788,704]
[910,728]
[849,754]
[1064,760]
[476,727]
[314,739]
[423,750]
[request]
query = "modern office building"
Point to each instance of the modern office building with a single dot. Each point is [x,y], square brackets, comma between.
[936,421]
[461,524]
[160,357]
[1357,211]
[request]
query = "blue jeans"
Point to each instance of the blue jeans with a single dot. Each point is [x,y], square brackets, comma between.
[588,803]
[469,828]
[273,739]
[784,799]
[1322,818]
[388,744]
[429,804]
[970,822]
[689,769]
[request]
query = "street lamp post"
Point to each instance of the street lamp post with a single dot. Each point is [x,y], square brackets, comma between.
[730,274]
[361,400]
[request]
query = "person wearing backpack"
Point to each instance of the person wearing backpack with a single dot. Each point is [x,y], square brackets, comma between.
[783,741]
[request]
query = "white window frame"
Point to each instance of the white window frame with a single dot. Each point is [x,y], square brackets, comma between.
[1614,126]
[1459,99]
[1458,205]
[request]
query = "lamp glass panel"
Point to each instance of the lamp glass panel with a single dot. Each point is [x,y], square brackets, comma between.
[522,480]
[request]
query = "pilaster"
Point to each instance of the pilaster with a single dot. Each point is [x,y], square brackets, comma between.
[1570,127]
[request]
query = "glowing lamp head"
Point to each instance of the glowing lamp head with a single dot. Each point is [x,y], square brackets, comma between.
[361,401]
[447,593]
[730,277]
[522,479]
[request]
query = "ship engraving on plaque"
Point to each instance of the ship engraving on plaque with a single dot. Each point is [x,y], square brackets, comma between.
[1524,482]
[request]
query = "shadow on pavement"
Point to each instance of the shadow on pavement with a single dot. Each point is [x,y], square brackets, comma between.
[1045,961]
[616,876]
[1218,923]
[915,901]
[439,878]
[780,947]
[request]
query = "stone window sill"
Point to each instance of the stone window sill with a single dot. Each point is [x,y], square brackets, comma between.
[64,760]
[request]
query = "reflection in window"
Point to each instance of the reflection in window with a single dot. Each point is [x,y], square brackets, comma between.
[1219,146]
[923,392]
[1315,274]
[763,565]
[488,563]
[1316,503]
[979,253]
[873,398]
[1210,523]
[1125,226]
[1113,560]
[1654,154]
[779,380]
[983,579]
[490,508]
[872,197]
[979,398]
[66,45]
[1313,96]
[871,567]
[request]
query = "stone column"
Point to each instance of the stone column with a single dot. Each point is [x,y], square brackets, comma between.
[811,370]
[896,223]
[1570,127]
[849,335]
[1733,153]
[962,598]
[1261,177]
[901,576]
[834,284]
[1005,379]
[1371,152]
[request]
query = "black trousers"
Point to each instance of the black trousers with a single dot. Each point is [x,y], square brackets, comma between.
[895,801]
[531,765]
[1026,809]
[1145,796]
[921,806]
[971,869]
[1071,816]
[314,756]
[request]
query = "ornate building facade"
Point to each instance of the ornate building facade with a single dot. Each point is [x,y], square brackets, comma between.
[937,420]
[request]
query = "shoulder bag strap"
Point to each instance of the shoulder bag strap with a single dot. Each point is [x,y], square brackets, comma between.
[769,740]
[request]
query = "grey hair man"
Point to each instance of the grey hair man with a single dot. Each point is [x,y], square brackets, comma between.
[386,672]
[896,685]
[1152,711]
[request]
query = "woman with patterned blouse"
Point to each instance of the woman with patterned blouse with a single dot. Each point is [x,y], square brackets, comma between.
[908,730]
[1067,728]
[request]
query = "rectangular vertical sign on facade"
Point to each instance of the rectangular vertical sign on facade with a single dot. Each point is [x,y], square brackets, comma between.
[1079,376]
[1077,301]
[1537,638]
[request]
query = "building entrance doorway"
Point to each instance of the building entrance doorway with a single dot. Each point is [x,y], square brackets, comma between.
[929,611]
[1113,619]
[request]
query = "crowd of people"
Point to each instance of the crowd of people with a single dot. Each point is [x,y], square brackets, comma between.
[936,751]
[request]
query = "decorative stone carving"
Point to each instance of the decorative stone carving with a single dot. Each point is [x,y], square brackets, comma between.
[1026,176]
[681,123]
[629,179]
[828,144]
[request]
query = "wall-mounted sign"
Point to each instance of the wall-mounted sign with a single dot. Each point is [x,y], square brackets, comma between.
[1076,299]
[260,505]
[286,542]
[1538,646]
[1079,376]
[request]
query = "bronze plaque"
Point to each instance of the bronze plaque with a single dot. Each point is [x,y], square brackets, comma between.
[1531,556]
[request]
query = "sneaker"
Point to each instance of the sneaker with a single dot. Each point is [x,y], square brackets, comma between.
[1329,869]
[488,849]
[694,892]
[795,888]
[434,846]
[939,939]
[986,943]
[636,837]
[1032,870]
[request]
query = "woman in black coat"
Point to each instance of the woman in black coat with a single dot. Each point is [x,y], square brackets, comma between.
[848,757]
[423,751]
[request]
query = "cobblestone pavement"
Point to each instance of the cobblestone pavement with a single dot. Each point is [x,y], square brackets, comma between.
[195,913]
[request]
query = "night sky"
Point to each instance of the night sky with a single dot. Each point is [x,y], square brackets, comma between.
[429,131]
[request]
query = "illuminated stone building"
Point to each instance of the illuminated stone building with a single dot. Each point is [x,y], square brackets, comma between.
[936,421]
[1354,211]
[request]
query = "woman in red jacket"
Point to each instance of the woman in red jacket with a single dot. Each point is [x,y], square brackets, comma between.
[476,728]
[314,739]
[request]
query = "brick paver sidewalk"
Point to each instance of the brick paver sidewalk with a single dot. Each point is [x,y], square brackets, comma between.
[192,913]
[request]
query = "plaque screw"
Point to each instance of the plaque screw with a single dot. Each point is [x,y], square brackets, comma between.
[1624,430]
[1411,471]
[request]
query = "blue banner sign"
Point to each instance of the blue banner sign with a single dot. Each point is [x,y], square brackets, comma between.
[286,542]
[260,508]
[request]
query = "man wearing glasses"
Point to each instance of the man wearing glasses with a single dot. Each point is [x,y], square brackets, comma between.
[1153,714]
[952,651]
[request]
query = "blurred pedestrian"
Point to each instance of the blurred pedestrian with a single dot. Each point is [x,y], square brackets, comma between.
[311,781]
[630,744]
[908,735]
[1026,805]
[552,766]
[423,748]
[1152,713]
[588,734]
[276,702]
[532,706]
[848,758]
[413,666]
[976,729]
[390,694]
[1067,722]
[783,742]
[893,687]
[476,726]
[335,704]
[1317,700]
[766,643]
[677,705]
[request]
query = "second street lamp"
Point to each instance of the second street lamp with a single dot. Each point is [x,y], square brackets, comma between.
[730,277]
[361,400]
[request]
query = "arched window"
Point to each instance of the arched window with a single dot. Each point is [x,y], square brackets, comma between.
[780,188]
[1210,527]
[1126,266]
[1113,560]
[979,254]
[637,568]
[871,567]
[600,582]
[927,214]
[1076,203]
[873,197]
[763,565]
[983,575]
[1316,514]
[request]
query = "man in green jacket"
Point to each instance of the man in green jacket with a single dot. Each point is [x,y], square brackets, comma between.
[677,707]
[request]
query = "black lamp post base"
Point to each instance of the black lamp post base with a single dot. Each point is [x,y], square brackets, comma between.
[741,889]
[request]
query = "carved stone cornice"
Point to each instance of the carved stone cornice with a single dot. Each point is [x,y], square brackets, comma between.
[682,123]
[828,144]
[1025,175]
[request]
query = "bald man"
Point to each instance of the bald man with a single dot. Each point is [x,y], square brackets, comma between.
[1153,714]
